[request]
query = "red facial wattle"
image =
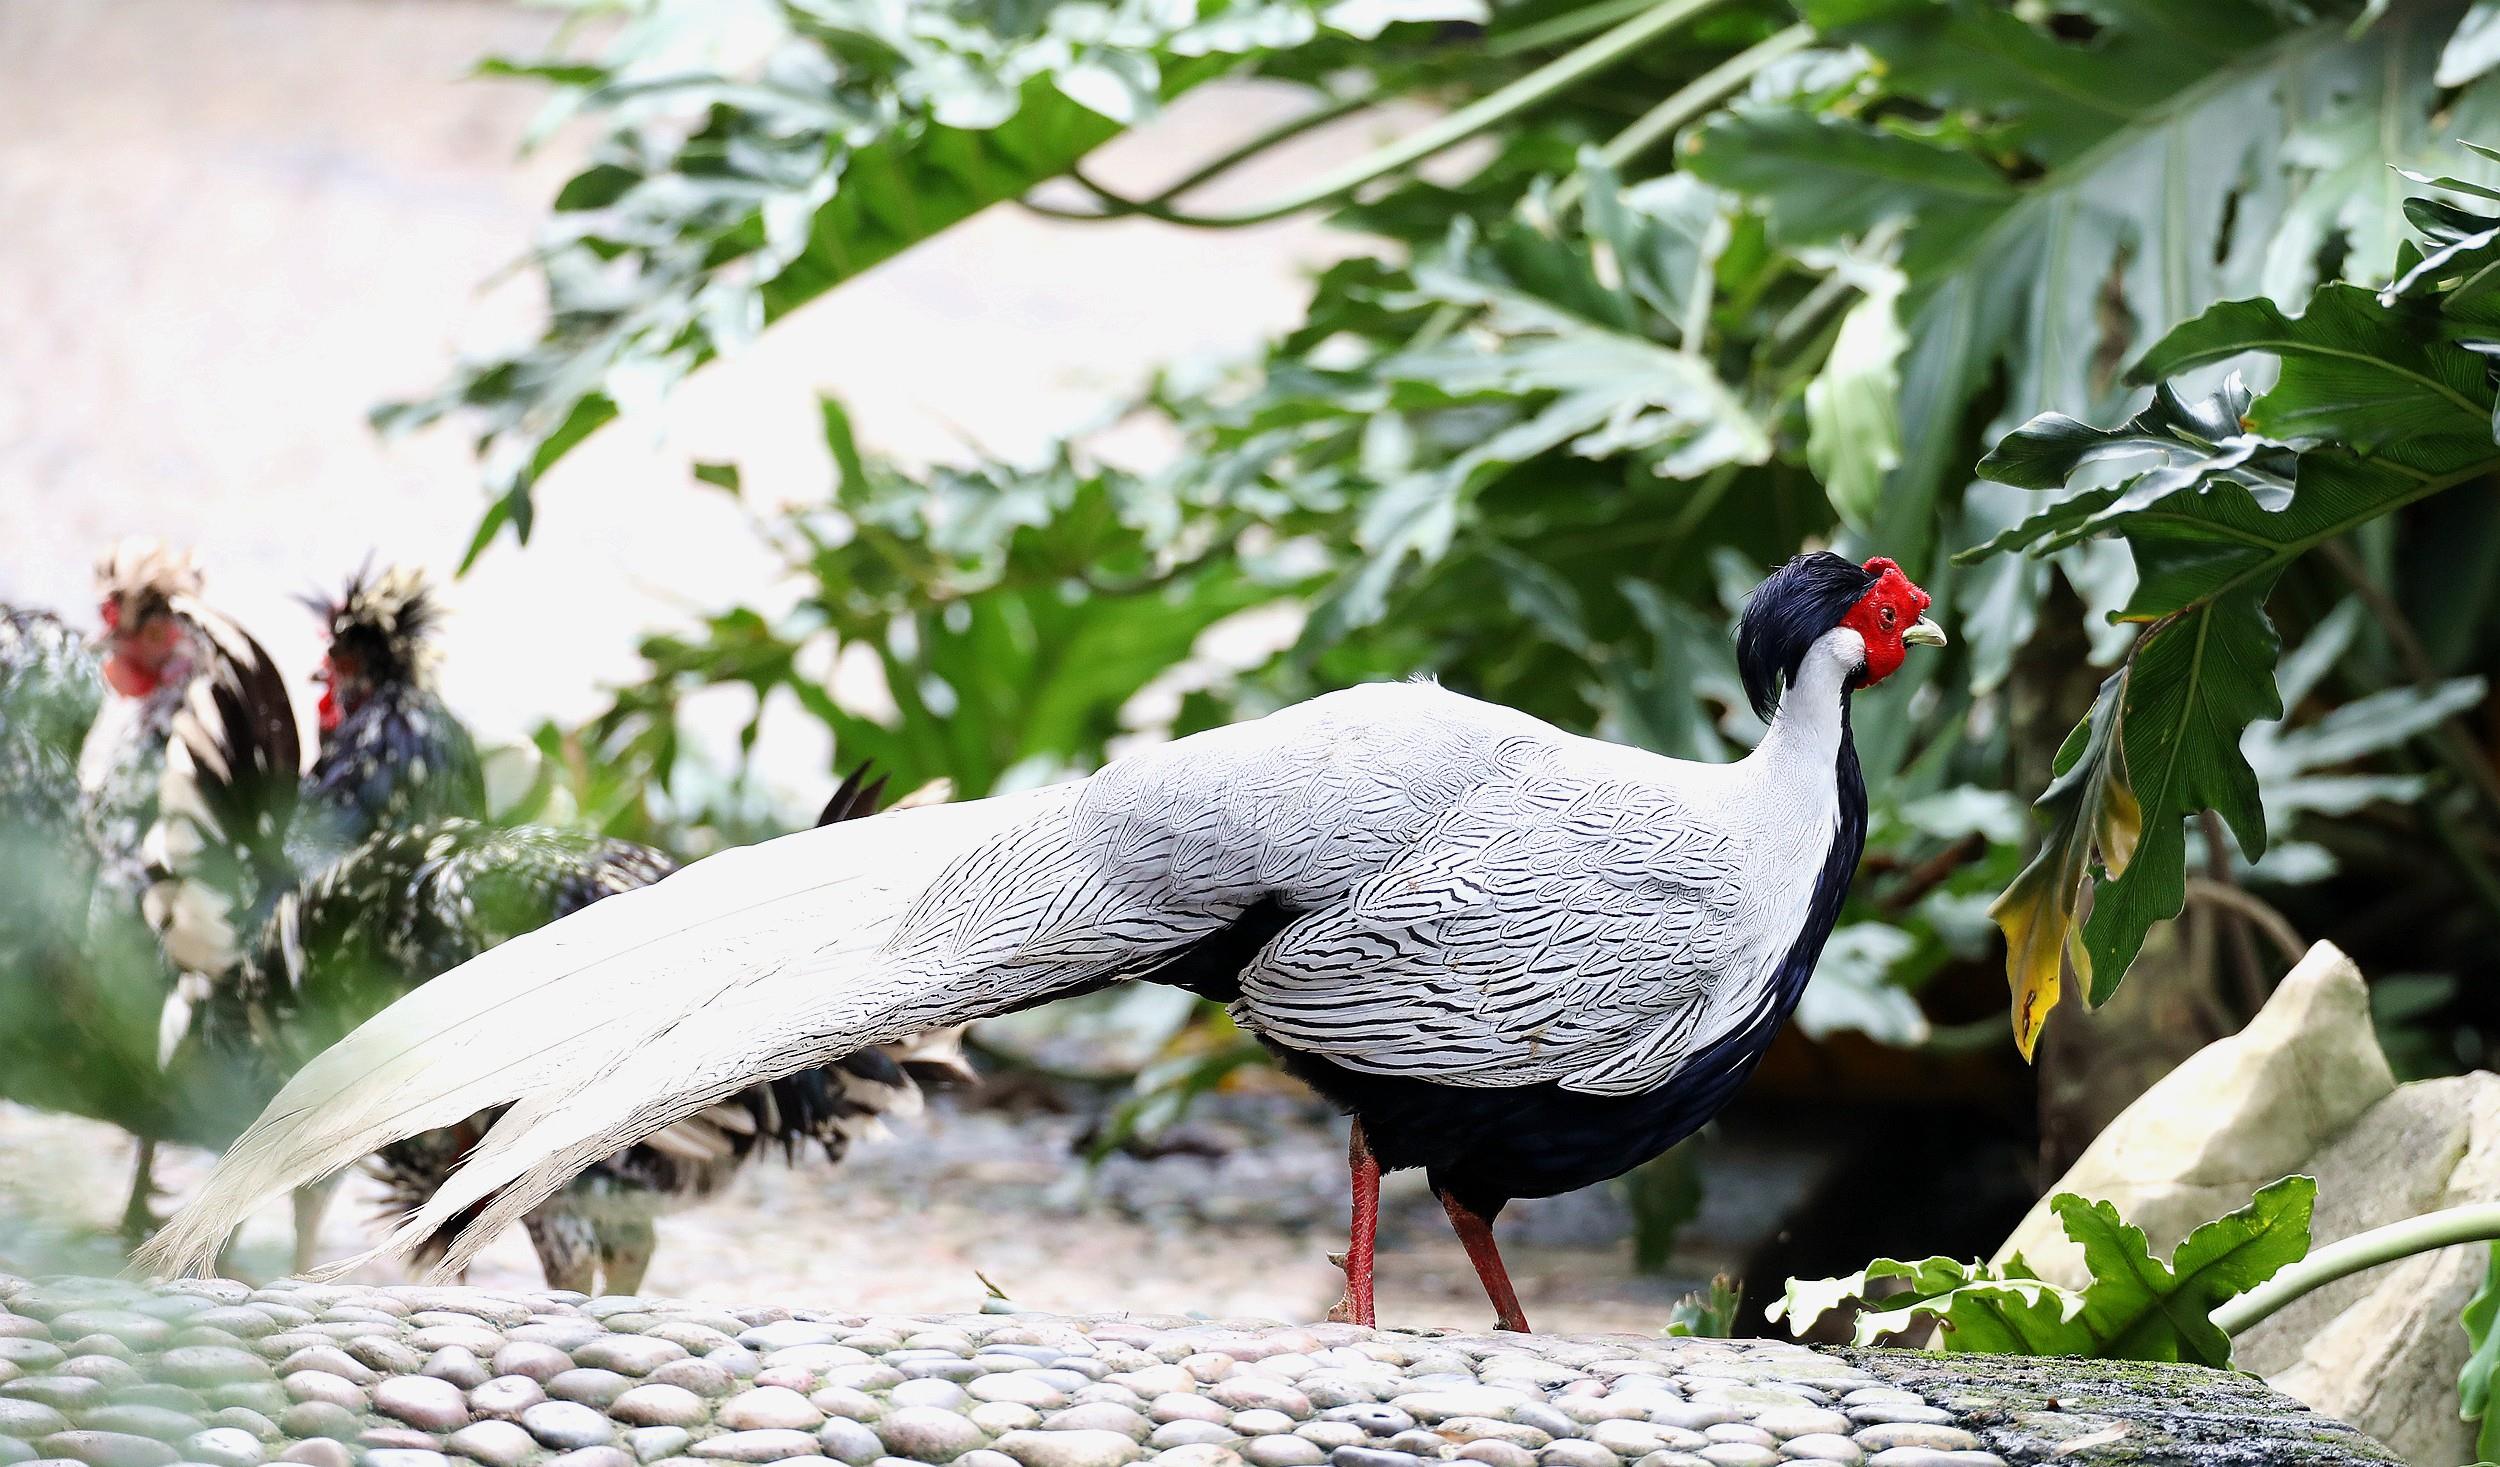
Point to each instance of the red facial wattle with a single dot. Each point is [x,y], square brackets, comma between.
[330,712]
[128,677]
[1889,609]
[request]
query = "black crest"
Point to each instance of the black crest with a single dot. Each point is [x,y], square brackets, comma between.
[1786,613]
[383,620]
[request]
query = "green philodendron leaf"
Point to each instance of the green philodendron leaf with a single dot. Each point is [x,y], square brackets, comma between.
[2193,685]
[2355,370]
[2139,1308]
[2135,1307]
[1853,414]
[1821,178]
[2482,1369]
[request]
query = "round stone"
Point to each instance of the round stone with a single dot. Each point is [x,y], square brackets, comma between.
[629,1354]
[1374,1457]
[1375,1420]
[1463,1429]
[319,1418]
[592,1457]
[1796,1421]
[653,1404]
[208,1365]
[423,1402]
[61,1392]
[1440,1405]
[224,1446]
[1023,1387]
[319,1452]
[1899,1413]
[506,1397]
[405,1457]
[1191,1434]
[1185,1406]
[1640,1438]
[329,1360]
[1933,1437]
[567,1425]
[540,1362]
[589,1387]
[28,1420]
[1672,1459]
[928,1434]
[699,1376]
[1261,1421]
[1741,1433]
[1070,1448]
[997,1418]
[1494,1452]
[1282,1451]
[495,1443]
[1929,1457]
[147,1421]
[944,1395]
[1330,1435]
[321,1385]
[1572,1452]
[110,1449]
[757,1446]
[1201,1455]
[133,1329]
[1695,1415]
[1103,1416]
[1822,1447]
[768,1408]
[982,1458]
[849,1441]
[460,1366]
[1739,1454]
[1245,1391]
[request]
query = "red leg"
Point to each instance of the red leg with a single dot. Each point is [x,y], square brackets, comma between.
[1476,1235]
[1356,1306]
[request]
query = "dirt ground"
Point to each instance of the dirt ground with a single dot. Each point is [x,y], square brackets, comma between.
[960,1196]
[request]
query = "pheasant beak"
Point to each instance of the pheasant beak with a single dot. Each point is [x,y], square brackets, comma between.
[1924,633]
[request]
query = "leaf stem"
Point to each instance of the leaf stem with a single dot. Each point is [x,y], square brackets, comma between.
[1646,25]
[2476,1223]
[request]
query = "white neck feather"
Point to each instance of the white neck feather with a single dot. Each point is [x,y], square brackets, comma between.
[1805,733]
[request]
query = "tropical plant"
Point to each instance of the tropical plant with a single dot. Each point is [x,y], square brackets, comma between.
[1721,278]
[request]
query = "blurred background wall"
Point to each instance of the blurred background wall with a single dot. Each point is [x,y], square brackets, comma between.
[233,226]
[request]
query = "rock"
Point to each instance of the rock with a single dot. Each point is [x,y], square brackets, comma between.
[1202,1455]
[849,1441]
[702,1377]
[1023,1387]
[652,1404]
[495,1443]
[758,1446]
[1191,1434]
[148,1421]
[319,1453]
[768,1407]
[423,1402]
[1796,1421]
[1460,1401]
[928,1434]
[1070,1448]
[1822,1447]
[658,1443]
[27,1420]
[1916,1434]
[568,1425]
[224,1446]
[1573,1453]
[109,1449]
[628,1354]
[945,1395]
[539,1362]
[1285,1451]
[2305,1088]
[1739,1454]
[1102,1416]
[321,1385]
[405,1457]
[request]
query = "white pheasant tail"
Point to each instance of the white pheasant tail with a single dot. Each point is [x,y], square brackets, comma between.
[727,973]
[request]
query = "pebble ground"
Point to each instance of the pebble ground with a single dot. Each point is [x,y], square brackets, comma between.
[114,1374]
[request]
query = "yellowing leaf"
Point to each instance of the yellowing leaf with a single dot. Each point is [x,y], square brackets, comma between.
[2095,818]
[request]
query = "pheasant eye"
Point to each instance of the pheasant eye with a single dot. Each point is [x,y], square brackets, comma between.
[1889,617]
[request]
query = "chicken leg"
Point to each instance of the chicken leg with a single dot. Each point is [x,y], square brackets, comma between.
[1476,1236]
[1356,1305]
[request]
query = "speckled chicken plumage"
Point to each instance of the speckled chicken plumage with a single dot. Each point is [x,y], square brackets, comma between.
[397,881]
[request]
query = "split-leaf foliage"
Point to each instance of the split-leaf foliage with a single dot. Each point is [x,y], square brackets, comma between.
[1539,433]
[2133,1306]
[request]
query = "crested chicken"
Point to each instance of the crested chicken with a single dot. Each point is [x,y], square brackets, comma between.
[298,908]
[1524,961]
